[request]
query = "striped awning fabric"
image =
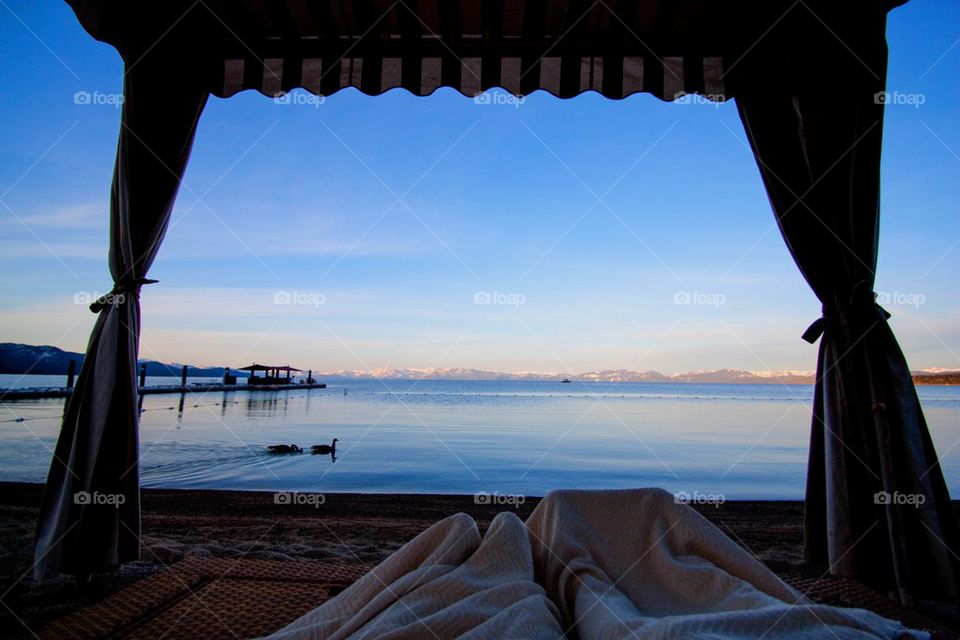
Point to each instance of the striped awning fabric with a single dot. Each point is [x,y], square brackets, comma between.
[562,47]
[667,48]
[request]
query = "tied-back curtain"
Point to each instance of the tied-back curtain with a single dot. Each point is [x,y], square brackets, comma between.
[90,514]
[877,507]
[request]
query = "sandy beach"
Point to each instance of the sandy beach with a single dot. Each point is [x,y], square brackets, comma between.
[354,528]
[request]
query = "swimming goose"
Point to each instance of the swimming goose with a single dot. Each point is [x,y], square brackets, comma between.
[284,448]
[324,448]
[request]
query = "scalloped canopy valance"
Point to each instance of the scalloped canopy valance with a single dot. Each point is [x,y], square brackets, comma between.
[718,48]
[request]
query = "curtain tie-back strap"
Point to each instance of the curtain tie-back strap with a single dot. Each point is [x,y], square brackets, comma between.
[815,330]
[861,307]
[119,294]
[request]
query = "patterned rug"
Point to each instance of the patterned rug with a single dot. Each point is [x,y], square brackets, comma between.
[843,592]
[213,598]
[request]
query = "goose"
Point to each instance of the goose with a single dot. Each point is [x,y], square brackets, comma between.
[284,448]
[325,448]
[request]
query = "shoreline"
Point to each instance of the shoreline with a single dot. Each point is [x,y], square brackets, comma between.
[260,503]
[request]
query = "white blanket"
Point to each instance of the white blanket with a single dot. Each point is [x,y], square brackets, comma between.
[587,564]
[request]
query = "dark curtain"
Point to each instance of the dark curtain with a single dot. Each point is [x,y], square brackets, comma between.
[90,515]
[871,457]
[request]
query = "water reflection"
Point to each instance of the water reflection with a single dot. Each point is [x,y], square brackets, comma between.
[268,403]
[332,454]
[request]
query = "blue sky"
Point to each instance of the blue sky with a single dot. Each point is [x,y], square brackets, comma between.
[383,219]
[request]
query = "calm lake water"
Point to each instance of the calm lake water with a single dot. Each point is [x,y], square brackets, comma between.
[744,441]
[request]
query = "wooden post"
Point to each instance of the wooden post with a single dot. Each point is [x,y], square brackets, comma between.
[183,377]
[143,383]
[71,370]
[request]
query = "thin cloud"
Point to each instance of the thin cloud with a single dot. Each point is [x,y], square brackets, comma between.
[33,250]
[90,216]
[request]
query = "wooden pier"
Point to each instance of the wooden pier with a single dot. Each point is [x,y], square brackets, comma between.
[273,380]
[63,392]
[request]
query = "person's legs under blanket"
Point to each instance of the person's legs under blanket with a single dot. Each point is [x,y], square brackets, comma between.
[445,583]
[634,564]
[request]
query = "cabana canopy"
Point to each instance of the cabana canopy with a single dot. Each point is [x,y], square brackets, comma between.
[807,77]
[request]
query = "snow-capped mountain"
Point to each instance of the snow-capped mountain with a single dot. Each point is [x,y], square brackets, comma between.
[608,375]
[21,358]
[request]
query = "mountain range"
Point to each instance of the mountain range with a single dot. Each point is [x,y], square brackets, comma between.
[608,375]
[22,358]
[46,360]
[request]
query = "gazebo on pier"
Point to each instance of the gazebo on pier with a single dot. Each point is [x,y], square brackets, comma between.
[271,374]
